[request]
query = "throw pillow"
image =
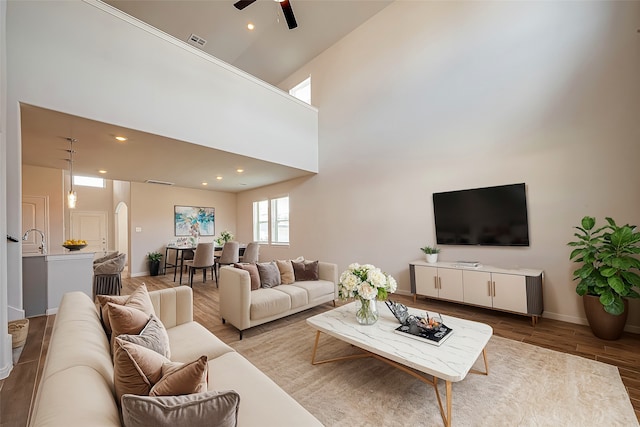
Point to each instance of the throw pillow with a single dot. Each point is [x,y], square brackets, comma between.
[306,270]
[287,276]
[253,274]
[212,408]
[269,274]
[138,299]
[180,378]
[135,368]
[153,336]
[125,320]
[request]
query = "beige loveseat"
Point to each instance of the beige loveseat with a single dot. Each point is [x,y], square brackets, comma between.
[77,386]
[245,308]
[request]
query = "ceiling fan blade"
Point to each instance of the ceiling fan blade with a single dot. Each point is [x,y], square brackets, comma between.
[288,14]
[243,3]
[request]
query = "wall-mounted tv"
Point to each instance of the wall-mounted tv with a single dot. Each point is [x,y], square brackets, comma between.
[491,216]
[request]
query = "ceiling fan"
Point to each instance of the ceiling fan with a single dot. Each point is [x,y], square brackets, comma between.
[287,11]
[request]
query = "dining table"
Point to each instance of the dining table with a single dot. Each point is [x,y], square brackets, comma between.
[178,263]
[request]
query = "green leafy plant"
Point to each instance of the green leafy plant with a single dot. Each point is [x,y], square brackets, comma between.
[608,263]
[429,250]
[154,256]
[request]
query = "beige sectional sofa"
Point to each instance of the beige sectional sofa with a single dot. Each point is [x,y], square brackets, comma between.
[77,386]
[244,308]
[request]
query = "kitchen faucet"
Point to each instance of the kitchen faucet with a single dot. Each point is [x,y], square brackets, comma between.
[43,248]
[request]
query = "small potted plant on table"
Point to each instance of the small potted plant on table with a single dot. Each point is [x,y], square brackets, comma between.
[431,254]
[154,262]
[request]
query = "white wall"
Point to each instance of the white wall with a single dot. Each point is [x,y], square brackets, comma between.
[6,362]
[435,96]
[152,211]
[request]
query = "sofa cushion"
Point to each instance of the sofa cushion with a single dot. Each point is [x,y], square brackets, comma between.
[254,275]
[299,296]
[305,270]
[266,302]
[317,289]
[135,368]
[269,274]
[191,340]
[212,408]
[287,276]
[265,403]
[182,378]
[153,336]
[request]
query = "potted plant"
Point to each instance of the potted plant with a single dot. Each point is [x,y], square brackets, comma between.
[431,254]
[607,274]
[154,262]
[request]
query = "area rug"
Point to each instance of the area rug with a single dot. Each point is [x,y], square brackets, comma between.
[526,386]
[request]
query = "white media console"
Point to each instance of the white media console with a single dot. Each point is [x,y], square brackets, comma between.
[514,290]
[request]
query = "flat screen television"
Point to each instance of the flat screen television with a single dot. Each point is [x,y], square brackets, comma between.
[491,216]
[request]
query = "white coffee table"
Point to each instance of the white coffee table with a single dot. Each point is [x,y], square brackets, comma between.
[451,361]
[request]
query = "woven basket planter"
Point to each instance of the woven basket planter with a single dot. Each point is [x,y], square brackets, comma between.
[18,330]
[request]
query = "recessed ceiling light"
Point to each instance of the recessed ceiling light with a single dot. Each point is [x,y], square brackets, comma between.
[239,170]
[218,178]
[204,183]
[250,26]
[121,138]
[102,171]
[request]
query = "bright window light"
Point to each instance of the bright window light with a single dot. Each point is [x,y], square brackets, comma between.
[88,181]
[302,91]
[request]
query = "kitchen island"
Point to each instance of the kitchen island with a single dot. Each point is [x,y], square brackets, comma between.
[47,277]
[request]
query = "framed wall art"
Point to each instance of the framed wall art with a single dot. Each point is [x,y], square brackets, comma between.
[194,221]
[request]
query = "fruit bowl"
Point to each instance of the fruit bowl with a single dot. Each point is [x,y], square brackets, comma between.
[75,247]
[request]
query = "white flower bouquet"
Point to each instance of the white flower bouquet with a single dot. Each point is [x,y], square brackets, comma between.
[365,282]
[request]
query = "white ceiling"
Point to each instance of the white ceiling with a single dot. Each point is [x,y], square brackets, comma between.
[271,52]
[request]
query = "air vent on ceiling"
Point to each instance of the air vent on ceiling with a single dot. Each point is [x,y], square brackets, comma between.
[197,40]
[155,181]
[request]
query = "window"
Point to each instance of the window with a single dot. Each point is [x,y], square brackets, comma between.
[271,221]
[88,181]
[302,90]
[261,221]
[280,220]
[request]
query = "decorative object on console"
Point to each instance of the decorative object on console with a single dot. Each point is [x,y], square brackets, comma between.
[365,283]
[608,272]
[194,221]
[430,254]
[225,237]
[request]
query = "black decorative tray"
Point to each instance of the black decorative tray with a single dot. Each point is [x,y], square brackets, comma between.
[432,336]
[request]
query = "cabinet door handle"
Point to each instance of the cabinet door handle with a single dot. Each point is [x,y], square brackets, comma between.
[439,282]
[435,282]
[494,289]
[489,286]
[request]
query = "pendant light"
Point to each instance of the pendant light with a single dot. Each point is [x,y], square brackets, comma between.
[72,197]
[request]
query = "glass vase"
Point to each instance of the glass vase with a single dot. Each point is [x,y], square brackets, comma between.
[366,311]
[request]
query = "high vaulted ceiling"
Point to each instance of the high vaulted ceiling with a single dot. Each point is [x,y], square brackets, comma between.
[270,52]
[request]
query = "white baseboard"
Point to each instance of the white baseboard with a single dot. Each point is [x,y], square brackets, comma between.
[6,359]
[583,321]
[144,273]
[51,311]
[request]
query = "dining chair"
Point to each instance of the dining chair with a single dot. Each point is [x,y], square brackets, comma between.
[107,275]
[202,259]
[251,253]
[230,254]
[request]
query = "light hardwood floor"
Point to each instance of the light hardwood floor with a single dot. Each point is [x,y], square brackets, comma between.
[18,390]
